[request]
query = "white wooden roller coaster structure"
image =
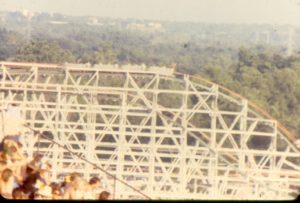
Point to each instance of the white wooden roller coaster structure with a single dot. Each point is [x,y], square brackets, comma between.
[169,135]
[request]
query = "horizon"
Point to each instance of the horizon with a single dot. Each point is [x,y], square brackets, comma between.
[279,12]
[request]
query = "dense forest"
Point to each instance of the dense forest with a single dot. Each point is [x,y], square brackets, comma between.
[240,57]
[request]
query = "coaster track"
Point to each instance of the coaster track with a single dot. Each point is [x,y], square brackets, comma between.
[171,135]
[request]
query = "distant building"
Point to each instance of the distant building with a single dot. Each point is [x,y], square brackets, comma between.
[155,26]
[27,14]
[59,22]
[150,27]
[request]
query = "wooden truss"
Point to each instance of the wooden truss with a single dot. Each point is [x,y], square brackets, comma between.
[170,135]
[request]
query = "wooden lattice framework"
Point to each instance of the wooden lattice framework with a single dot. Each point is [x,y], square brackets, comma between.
[170,135]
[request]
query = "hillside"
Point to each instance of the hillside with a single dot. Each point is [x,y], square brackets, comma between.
[253,60]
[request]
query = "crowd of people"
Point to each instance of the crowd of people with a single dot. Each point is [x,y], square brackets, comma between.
[25,178]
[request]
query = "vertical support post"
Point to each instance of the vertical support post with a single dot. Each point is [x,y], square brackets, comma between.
[114,189]
[89,147]
[273,166]
[55,165]
[24,138]
[243,135]
[243,145]
[183,140]
[274,147]
[152,151]
[122,141]
[213,162]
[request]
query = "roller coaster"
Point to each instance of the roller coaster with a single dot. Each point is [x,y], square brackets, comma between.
[166,134]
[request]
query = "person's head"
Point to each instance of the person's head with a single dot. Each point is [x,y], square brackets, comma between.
[14,156]
[54,185]
[56,193]
[29,170]
[17,193]
[105,195]
[74,176]
[95,182]
[10,145]
[56,190]
[6,174]
[64,183]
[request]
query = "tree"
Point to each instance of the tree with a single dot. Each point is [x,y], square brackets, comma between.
[245,57]
[44,52]
[9,41]
[104,54]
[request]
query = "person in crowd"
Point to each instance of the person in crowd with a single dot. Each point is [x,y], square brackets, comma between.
[93,188]
[105,195]
[7,183]
[75,190]
[17,193]
[19,169]
[29,185]
[36,162]
[21,178]
[56,191]
[12,149]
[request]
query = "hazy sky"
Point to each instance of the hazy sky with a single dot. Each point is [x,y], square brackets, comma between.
[236,11]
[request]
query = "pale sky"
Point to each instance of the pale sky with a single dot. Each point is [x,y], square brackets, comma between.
[232,11]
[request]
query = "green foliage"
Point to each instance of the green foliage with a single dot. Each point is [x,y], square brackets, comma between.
[104,54]
[9,42]
[43,51]
[259,72]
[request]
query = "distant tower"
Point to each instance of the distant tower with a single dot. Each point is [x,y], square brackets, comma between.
[290,41]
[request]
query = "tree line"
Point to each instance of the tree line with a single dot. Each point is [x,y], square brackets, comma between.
[260,72]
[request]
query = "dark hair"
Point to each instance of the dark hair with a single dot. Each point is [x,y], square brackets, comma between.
[29,170]
[29,182]
[54,185]
[104,195]
[63,184]
[94,180]
[17,193]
